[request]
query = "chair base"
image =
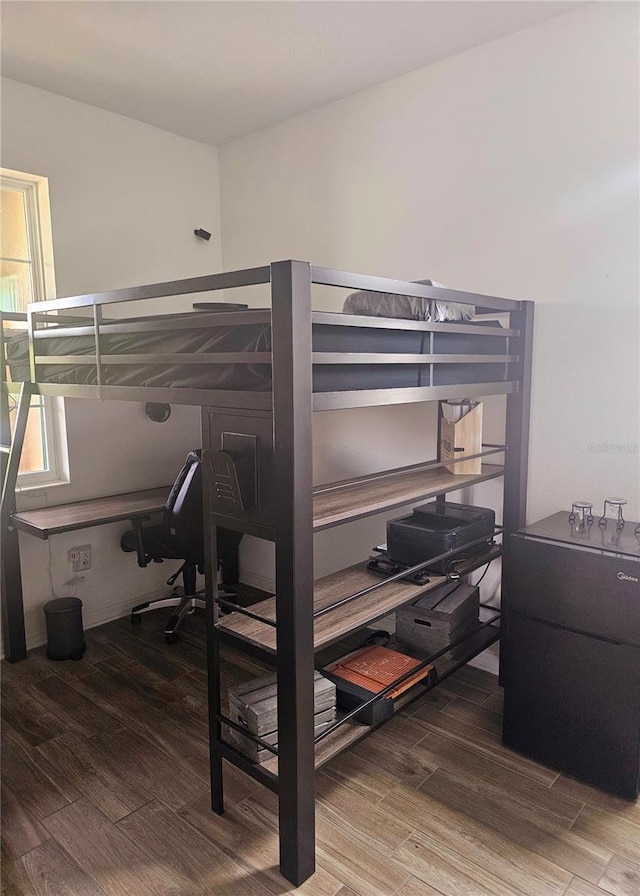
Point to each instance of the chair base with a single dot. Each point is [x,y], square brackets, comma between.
[181,606]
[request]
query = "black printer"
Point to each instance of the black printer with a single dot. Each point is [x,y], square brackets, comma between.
[438,527]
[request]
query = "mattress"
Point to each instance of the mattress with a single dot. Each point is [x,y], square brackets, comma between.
[196,340]
[256,337]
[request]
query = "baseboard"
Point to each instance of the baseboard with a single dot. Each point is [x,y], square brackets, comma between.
[254,579]
[487,660]
[92,617]
[100,615]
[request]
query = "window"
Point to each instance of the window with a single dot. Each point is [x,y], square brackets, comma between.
[27,275]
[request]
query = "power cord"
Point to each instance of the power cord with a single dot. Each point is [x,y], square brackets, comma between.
[74,580]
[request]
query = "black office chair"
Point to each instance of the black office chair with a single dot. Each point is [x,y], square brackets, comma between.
[180,536]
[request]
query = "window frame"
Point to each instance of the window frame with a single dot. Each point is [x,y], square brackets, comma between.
[35,189]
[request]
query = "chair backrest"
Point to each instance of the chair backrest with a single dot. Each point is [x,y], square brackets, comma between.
[183,517]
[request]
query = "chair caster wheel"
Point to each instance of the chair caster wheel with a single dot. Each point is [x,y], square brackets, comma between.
[171,637]
[135,619]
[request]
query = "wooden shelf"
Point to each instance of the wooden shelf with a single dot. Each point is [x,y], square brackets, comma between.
[328,591]
[352,500]
[351,732]
[333,588]
[52,520]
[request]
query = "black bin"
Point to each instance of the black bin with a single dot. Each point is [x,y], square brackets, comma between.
[65,635]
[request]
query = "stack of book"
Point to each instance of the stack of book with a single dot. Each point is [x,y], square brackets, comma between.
[361,675]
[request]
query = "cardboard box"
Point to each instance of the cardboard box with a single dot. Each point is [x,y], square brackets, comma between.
[461,435]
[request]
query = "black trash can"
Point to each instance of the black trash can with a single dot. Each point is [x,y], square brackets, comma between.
[65,635]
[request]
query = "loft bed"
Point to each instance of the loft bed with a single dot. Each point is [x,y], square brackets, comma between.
[258,375]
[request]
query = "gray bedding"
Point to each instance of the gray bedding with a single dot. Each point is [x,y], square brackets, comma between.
[383,304]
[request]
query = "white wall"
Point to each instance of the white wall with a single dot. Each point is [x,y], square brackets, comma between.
[125,200]
[511,169]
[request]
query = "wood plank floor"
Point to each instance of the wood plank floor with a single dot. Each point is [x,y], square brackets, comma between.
[105,792]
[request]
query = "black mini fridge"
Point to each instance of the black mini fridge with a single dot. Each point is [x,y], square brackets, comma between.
[570,649]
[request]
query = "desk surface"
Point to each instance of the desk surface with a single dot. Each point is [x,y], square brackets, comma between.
[84,514]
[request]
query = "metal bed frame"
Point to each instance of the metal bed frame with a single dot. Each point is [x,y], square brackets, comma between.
[284,416]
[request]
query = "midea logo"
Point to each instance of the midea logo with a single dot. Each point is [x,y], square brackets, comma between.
[624,578]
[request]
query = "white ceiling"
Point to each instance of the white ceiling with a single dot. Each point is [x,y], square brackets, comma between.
[215,70]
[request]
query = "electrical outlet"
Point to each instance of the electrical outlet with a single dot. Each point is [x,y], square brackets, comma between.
[80,557]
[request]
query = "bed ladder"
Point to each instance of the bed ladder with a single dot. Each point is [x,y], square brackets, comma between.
[10,572]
